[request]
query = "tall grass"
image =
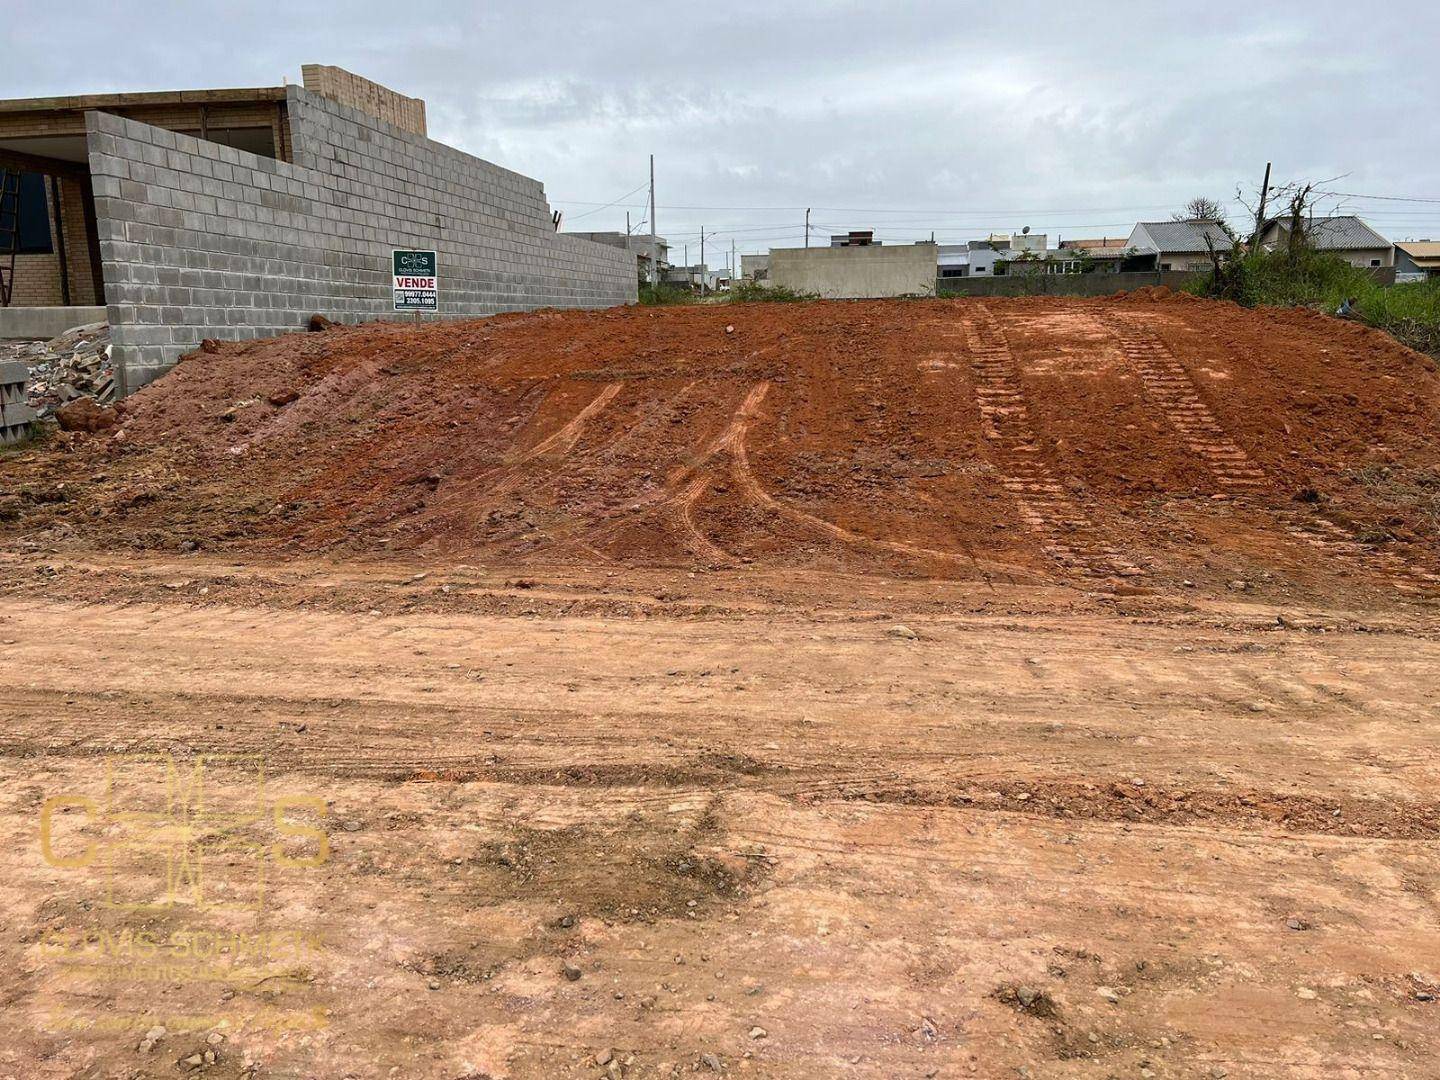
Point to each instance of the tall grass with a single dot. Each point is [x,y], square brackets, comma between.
[752,292]
[1316,279]
[662,295]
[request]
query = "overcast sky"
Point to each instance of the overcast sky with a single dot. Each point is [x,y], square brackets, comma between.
[1075,118]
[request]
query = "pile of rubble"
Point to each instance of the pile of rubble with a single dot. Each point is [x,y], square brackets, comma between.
[74,365]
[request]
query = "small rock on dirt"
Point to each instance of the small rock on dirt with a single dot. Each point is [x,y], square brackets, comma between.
[902,632]
[711,1062]
[1108,993]
[570,971]
[153,1036]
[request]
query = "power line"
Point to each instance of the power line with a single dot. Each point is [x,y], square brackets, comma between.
[1380,198]
[607,206]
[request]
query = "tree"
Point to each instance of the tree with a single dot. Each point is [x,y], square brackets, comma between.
[1299,212]
[1201,208]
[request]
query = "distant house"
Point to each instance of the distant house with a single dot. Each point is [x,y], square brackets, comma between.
[1028,253]
[952,261]
[1177,245]
[1105,255]
[1416,260]
[1344,235]
[982,255]
[698,277]
[975,258]
[991,257]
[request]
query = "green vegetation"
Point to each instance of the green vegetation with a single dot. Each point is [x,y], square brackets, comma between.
[657,295]
[1309,278]
[752,292]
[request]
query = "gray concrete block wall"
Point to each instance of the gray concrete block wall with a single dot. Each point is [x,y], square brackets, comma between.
[852,272]
[201,240]
[15,415]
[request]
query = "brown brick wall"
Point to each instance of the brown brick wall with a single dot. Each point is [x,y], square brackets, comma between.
[37,277]
[346,88]
[37,281]
[83,286]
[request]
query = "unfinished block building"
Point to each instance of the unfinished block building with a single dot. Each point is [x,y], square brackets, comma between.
[237,214]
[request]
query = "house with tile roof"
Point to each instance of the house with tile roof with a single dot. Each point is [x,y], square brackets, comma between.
[1416,260]
[1344,235]
[1179,245]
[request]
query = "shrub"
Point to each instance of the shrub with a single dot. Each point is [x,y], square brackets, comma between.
[1317,279]
[665,294]
[752,292]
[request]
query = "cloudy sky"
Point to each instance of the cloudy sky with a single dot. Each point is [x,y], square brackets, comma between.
[1075,118]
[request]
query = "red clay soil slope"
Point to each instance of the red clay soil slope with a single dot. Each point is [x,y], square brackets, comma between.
[1017,439]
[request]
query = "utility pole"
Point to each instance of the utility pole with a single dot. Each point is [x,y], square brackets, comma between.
[1260,210]
[702,260]
[654,230]
[807,226]
[732,262]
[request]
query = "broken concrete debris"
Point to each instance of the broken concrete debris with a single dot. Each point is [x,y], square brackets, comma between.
[74,365]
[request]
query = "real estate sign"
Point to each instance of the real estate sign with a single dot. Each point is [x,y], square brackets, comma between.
[417,280]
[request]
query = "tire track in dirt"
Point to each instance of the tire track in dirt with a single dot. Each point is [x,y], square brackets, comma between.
[1337,543]
[564,440]
[690,482]
[1066,534]
[1169,385]
[559,443]
[687,484]
[733,443]
[652,779]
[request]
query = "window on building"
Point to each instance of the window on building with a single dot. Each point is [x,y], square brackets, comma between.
[1374,262]
[34,225]
[1164,266]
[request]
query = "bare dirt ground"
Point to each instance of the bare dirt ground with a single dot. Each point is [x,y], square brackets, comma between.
[632,738]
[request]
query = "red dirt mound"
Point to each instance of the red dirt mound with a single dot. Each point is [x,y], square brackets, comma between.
[940,438]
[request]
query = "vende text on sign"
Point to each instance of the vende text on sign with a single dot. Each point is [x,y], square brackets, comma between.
[417,280]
